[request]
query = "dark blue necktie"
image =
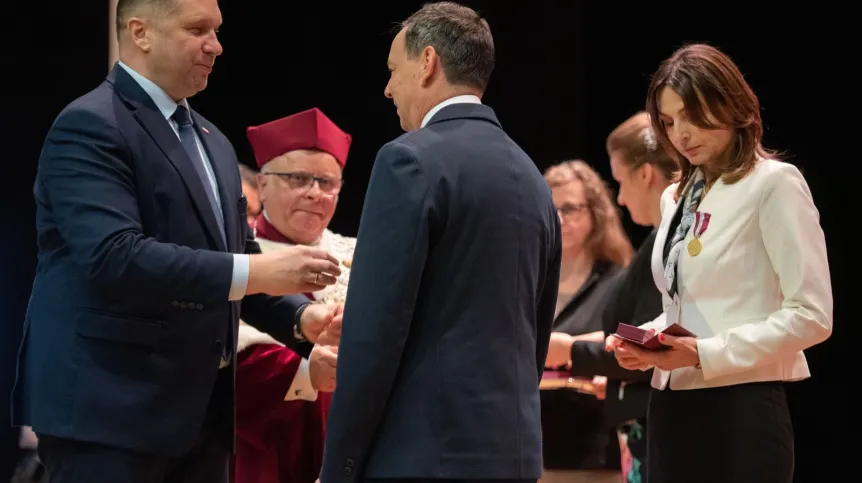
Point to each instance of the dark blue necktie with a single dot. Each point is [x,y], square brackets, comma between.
[187,137]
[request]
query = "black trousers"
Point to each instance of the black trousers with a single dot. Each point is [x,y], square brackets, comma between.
[70,461]
[736,434]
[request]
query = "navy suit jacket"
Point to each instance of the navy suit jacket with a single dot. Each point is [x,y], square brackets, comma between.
[129,313]
[449,310]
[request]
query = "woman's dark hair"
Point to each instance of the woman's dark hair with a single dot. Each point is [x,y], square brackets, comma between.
[716,96]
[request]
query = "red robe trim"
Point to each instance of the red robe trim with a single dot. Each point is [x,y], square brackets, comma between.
[264,229]
[278,441]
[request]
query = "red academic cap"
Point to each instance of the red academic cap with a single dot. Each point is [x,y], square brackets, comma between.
[309,129]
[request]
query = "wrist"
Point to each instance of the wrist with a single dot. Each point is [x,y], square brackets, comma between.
[255,267]
[298,333]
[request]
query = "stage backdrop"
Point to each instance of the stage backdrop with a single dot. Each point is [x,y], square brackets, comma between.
[567,73]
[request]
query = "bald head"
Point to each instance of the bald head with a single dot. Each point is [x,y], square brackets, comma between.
[127,9]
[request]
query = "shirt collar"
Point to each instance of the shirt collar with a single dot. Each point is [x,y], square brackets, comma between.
[465,99]
[163,101]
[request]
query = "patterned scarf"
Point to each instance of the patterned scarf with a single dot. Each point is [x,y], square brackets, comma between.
[690,203]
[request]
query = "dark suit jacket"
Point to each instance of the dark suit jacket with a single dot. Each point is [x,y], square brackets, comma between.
[449,309]
[129,312]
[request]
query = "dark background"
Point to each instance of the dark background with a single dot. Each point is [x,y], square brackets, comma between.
[567,73]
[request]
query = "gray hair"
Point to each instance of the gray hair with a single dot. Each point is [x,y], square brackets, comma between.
[128,8]
[461,38]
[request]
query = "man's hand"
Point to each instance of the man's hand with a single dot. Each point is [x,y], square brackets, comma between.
[331,335]
[317,318]
[293,270]
[321,367]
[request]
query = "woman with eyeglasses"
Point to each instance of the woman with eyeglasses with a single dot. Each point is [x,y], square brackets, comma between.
[577,446]
[282,400]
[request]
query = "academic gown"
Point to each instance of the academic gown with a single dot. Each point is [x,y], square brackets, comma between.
[281,441]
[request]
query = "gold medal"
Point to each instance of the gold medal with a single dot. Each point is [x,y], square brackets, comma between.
[701,222]
[694,247]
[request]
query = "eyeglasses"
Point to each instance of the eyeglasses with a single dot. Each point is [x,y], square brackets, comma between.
[569,209]
[300,181]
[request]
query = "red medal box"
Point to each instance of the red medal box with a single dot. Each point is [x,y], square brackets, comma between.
[645,339]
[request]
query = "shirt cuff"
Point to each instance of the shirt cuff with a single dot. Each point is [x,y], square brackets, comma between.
[301,388]
[239,279]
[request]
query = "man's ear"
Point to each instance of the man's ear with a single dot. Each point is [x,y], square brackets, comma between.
[430,65]
[138,30]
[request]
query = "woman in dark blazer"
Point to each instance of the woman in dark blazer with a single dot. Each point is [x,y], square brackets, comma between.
[595,248]
[643,171]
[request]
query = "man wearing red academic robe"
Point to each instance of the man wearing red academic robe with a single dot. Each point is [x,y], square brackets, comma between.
[281,415]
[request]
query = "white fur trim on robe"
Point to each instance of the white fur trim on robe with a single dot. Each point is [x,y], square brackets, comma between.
[249,336]
[339,246]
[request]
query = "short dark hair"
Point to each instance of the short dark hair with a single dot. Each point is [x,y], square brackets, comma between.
[127,8]
[461,38]
[710,83]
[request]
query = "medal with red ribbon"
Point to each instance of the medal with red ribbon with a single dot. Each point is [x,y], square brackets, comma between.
[701,222]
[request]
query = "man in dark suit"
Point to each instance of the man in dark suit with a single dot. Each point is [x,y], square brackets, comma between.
[145,265]
[454,281]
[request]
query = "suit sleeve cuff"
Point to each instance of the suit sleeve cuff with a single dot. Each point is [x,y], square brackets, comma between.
[710,353]
[239,279]
[301,388]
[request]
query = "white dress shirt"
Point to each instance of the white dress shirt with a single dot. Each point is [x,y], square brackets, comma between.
[759,293]
[465,99]
[167,106]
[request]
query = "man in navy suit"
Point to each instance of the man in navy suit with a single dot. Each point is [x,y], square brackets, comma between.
[454,282]
[145,265]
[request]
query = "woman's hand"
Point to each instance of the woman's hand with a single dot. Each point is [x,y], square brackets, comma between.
[600,384]
[611,343]
[559,350]
[682,353]
[627,358]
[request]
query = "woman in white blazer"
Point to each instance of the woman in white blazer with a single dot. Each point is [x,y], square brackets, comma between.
[740,260]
